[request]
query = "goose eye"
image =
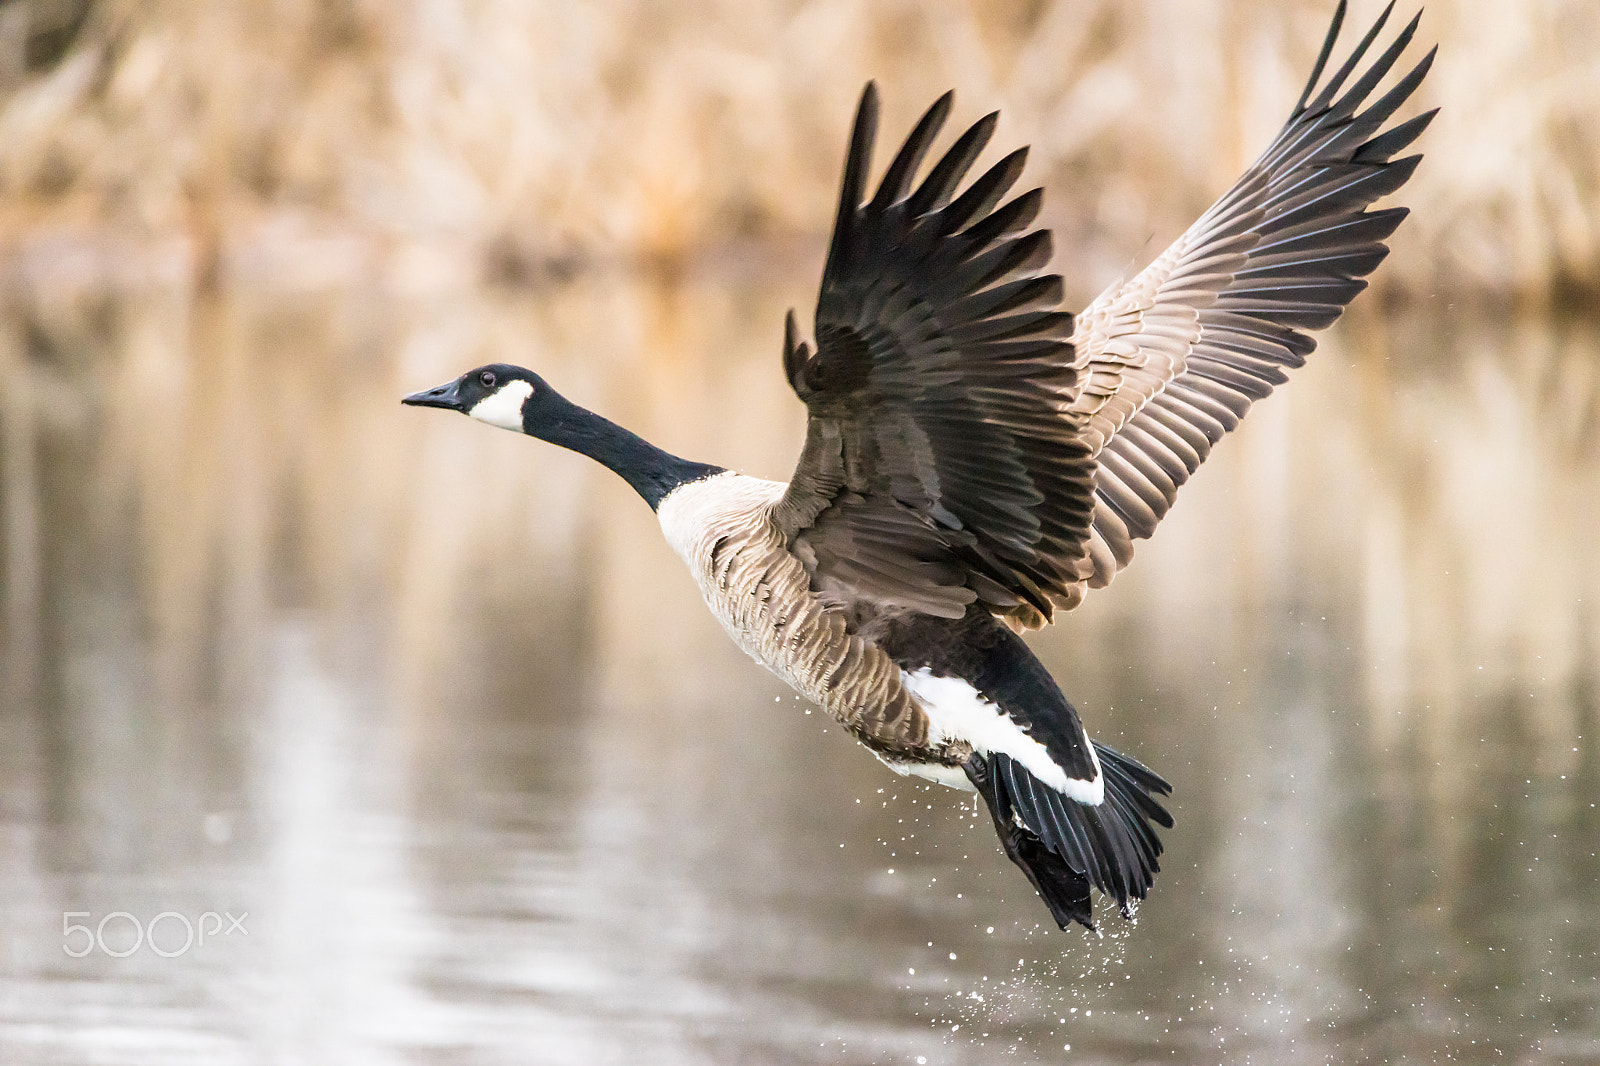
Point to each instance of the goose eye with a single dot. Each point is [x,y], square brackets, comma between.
[487,377]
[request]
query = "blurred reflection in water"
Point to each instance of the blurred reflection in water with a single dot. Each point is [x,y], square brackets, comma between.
[440,713]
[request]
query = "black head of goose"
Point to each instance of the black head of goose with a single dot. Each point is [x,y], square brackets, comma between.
[976,458]
[516,399]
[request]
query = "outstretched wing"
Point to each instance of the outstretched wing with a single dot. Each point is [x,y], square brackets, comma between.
[1173,359]
[942,462]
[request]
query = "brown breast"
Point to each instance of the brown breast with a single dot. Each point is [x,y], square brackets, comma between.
[762,595]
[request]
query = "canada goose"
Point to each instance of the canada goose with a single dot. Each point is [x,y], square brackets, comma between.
[975,458]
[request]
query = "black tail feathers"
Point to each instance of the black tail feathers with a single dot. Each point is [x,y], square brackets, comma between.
[1065,846]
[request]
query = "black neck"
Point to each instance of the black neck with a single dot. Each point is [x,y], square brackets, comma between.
[652,472]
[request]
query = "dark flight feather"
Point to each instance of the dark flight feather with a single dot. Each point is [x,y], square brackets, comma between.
[937,393]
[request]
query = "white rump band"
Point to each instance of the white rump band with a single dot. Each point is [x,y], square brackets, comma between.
[957,711]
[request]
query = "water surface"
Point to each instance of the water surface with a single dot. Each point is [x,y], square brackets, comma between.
[435,710]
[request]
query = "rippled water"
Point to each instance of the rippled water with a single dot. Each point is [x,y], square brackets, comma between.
[433,714]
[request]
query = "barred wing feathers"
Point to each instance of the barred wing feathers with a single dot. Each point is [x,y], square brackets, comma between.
[942,464]
[1171,360]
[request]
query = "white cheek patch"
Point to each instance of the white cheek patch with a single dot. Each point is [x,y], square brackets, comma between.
[957,711]
[503,406]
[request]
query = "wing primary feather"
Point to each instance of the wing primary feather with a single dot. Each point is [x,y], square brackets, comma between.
[984,192]
[1375,183]
[1385,145]
[795,352]
[1045,290]
[1341,262]
[897,179]
[940,184]
[1374,116]
[852,187]
[1022,253]
[1322,57]
[1374,74]
[1371,227]
[1015,215]
[989,331]
[1329,91]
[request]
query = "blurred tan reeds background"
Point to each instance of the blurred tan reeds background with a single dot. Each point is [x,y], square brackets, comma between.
[237,577]
[436,142]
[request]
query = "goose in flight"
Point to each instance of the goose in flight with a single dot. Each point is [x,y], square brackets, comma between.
[976,458]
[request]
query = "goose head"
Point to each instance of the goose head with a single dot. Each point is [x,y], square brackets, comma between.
[517,399]
[499,394]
